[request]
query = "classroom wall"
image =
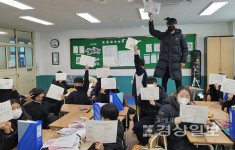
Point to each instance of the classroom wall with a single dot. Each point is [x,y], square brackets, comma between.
[44,51]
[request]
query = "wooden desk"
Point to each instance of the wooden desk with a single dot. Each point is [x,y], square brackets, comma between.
[137,147]
[219,139]
[68,119]
[209,104]
[66,108]
[48,135]
[124,112]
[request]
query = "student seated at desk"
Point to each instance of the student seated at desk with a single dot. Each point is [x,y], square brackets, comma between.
[149,110]
[110,112]
[214,93]
[80,95]
[168,121]
[8,136]
[96,90]
[39,109]
[104,95]
[62,84]
[228,103]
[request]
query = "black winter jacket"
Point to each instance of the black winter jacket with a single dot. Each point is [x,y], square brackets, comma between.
[165,122]
[139,71]
[149,110]
[173,51]
[63,84]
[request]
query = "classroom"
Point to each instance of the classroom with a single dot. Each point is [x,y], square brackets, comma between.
[117,74]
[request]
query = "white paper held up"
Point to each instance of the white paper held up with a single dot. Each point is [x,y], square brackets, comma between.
[130,43]
[216,78]
[87,60]
[6,112]
[55,92]
[103,72]
[228,86]
[150,93]
[6,83]
[108,83]
[61,76]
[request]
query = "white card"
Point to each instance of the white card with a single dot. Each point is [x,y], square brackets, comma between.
[109,61]
[103,72]
[216,78]
[152,7]
[103,131]
[87,60]
[156,47]
[55,92]
[130,43]
[149,48]
[61,76]
[81,49]
[108,83]
[150,93]
[228,86]
[6,83]
[6,112]
[194,114]
[75,49]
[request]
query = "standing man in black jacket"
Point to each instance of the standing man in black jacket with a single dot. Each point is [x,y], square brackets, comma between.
[173,52]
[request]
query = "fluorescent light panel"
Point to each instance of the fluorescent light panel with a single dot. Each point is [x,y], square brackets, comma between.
[36,20]
[88,17]
[16,4]
[213,7]
[144,15]
[1,32]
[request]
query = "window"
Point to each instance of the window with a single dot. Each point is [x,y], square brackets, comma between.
[11,51]
[6,35]
[21,57]
[29,57]
[24,37]
[3,64]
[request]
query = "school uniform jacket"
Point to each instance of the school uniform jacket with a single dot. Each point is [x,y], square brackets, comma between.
[228,104]
[40,111]
[8,94]
[139,72]
[80,96]
[165,118]
[8,141]
[216,95]
[173,51]
[149,110]
[104,98]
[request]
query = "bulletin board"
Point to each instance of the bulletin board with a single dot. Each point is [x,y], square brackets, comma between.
[149,48]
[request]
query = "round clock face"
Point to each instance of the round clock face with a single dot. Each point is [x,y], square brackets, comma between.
[54,43]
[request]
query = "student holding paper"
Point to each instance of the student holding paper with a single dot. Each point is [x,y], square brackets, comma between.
[39,109]
[214,93]
[110,112]
[149,110]
[230,101]
[63,84]
[8,136]
[140,74]
[80,95]
[173,52]
[168,121]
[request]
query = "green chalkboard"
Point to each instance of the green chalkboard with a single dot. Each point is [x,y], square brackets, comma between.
[78,46]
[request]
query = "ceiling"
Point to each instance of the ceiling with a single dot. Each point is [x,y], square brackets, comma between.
[112,13]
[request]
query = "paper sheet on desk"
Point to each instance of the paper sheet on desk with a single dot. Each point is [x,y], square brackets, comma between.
[104,131]
[65,141]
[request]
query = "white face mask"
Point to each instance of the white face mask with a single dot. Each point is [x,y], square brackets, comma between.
[17,113]
[150,85]
[183,101]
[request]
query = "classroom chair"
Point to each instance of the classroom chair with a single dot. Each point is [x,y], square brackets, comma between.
[153,141]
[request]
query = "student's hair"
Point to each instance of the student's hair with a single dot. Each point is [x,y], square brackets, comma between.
[171,21]
[142,62]
[59,71]
[14,101]
[35,92]
[109,111]
[151,80]
[78,80]
[184,88]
